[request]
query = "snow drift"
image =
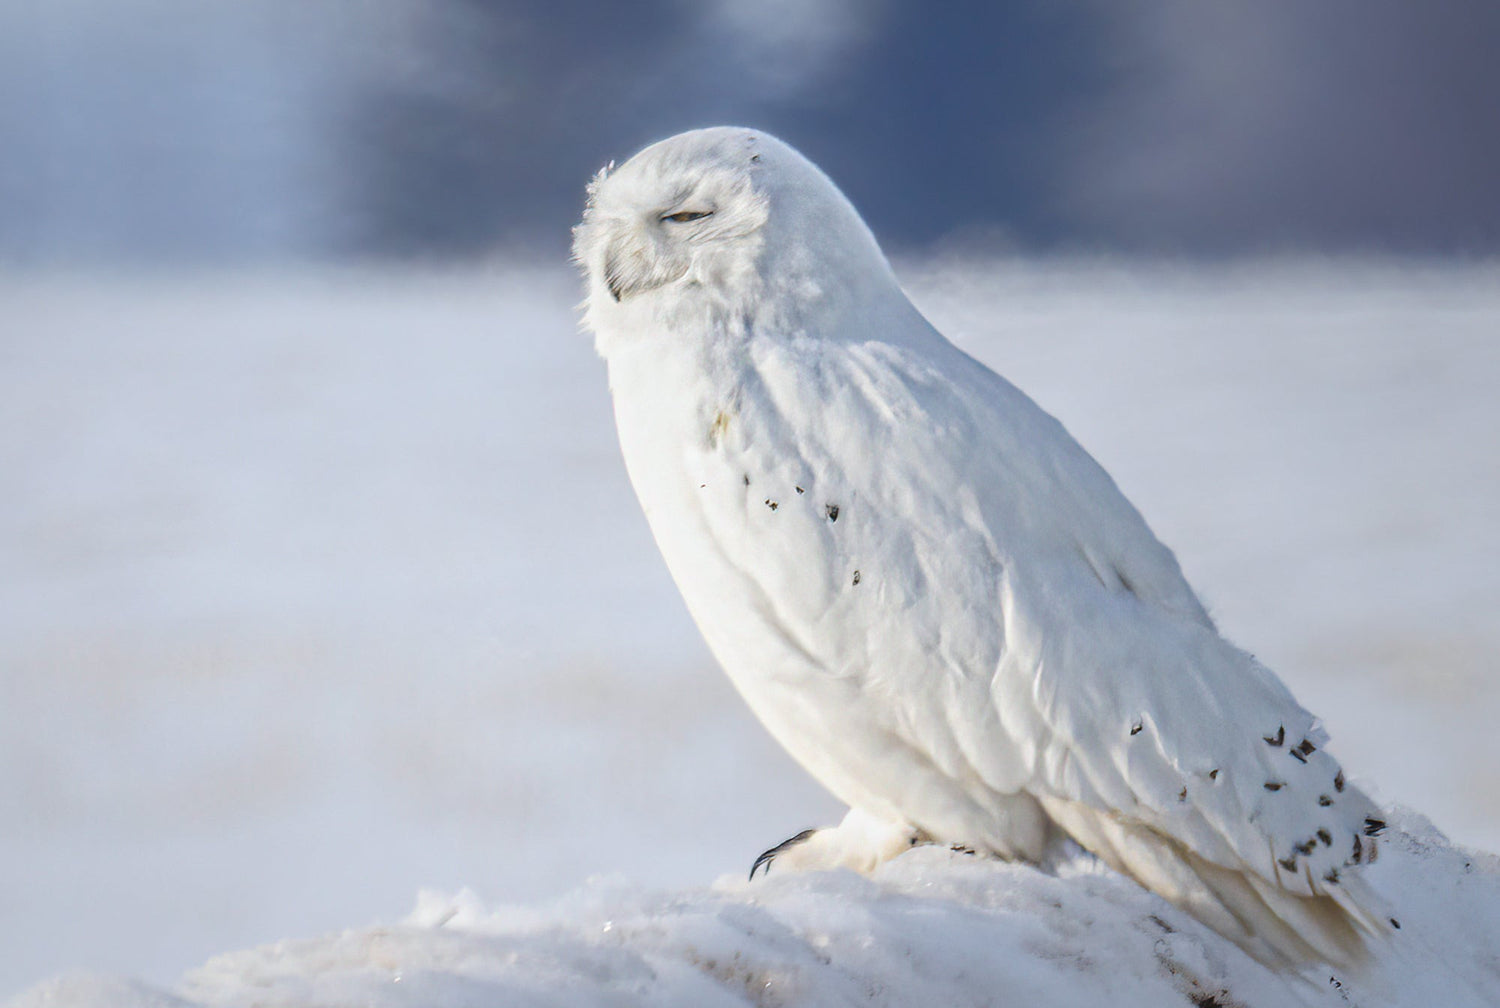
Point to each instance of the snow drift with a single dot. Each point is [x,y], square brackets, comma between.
[932,927]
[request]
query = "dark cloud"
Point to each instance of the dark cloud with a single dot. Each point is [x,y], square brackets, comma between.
[1170,125]
[448,127]
[1366,124]
[933,118]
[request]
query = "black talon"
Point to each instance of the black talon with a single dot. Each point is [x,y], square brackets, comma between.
[770,855]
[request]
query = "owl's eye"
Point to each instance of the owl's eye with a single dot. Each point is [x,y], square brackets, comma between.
[683,216]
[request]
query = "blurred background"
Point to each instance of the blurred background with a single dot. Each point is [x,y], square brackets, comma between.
[182,131]
[320,578]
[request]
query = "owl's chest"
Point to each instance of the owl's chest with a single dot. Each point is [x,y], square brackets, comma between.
[753,515]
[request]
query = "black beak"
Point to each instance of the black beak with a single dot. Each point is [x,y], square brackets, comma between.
[612,276]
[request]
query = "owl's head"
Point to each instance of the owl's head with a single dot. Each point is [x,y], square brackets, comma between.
[721,223]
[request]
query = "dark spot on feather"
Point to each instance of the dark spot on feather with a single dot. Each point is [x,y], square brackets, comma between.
[1135,729]
[1289,862]
[1169,929]
[1306,748]
[833,512]
[799,489]
[1326,837]
[1331,876]
[856,577]
[1395,923]
[1359,850]
[1373,826]
[702,485]
[717,429]
[1213,774]
[1297,755]
[1306,847]
[1271,785]
[1338,781]
[772,504]
[1278,738]
[1324,800]
[1182,795]
[747,479]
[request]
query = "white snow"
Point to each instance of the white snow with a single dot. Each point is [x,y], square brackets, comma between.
[319,590]
[932,927]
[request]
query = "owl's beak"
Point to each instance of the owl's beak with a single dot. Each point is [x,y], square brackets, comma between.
[612,275]
[627,271]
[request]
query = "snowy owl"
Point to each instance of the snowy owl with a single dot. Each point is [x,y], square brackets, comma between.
[929,593]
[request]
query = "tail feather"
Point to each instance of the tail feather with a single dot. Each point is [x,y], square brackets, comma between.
[1275,925]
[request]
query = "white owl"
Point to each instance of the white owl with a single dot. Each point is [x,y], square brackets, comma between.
[930,594]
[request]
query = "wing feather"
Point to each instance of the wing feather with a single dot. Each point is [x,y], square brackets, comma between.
[1114,684]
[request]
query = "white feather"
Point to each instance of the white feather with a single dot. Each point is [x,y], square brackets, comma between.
[931,595]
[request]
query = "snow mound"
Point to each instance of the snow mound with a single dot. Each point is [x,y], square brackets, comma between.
[931,927]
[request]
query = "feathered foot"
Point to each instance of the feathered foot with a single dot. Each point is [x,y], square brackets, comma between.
[861,843]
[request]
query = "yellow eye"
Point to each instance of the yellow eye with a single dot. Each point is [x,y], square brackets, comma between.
[683,216]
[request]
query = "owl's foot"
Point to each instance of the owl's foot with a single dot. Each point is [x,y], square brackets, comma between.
[861,842]
[766,857]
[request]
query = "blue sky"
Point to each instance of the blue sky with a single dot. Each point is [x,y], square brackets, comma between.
[171,129]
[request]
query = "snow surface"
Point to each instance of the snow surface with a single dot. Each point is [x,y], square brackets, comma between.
[317,590]
[933,927]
